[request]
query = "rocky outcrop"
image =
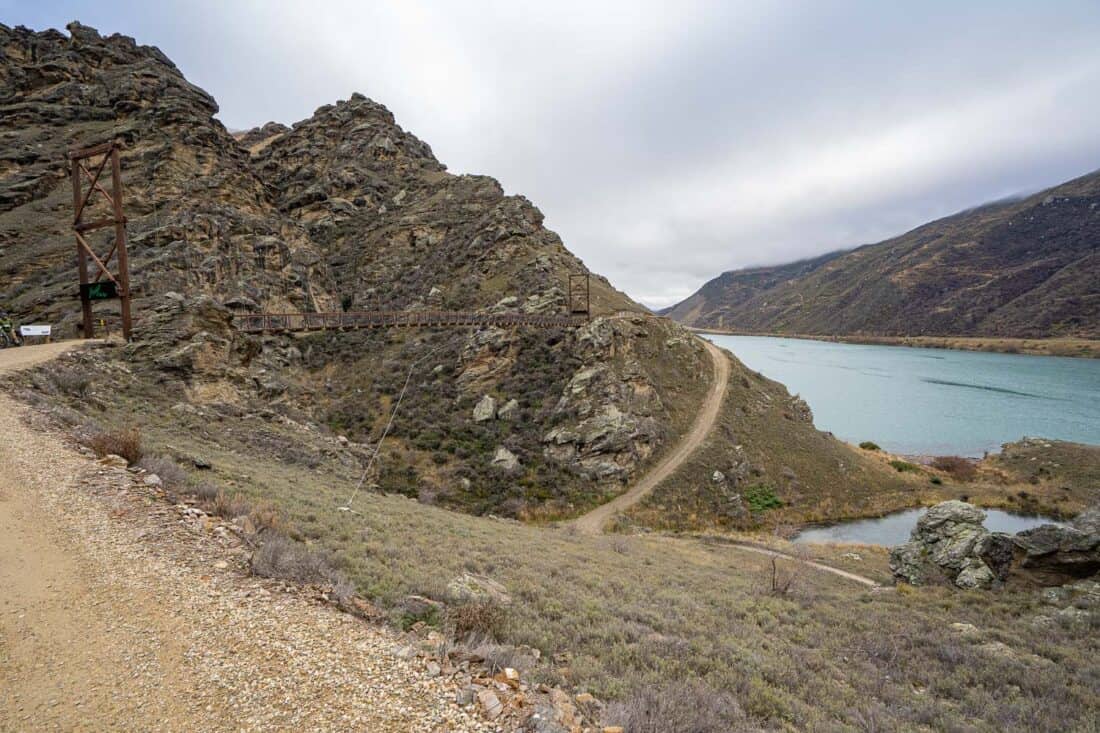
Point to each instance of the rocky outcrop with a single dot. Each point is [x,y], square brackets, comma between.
[949,544]
[200,220]
[610,406]
[348,210]
[1053,555]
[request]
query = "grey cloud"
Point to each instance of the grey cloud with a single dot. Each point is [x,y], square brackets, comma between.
[669,142]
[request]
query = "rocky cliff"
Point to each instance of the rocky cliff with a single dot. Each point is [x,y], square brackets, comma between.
[342,210]
[1023,268]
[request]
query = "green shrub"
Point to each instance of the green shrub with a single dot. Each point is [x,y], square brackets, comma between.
[869,445]
[762,497]
[429,616]
[936,480]
[903,466]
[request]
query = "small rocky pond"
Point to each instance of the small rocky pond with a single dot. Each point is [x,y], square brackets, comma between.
[894,529]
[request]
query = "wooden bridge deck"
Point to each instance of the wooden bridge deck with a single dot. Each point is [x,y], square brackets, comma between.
[280,322]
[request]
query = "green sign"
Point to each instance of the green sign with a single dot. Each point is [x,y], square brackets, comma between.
[99,291]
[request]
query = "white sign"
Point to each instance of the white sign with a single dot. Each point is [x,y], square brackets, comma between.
[35,330]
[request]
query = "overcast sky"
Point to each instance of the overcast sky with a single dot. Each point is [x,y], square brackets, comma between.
[668,142]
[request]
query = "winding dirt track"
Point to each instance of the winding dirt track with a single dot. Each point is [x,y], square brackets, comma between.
[594,521]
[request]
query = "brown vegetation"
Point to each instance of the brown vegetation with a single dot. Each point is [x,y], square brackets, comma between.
[959,468]
[119,442]
[484,619]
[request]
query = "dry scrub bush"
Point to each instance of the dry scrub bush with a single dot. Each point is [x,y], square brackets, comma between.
[782,578]
[125,443]
[72,383]
[957,467]
[206,492]
[283,558]
[476,618]
[678,707]
[171,473]
[265,516]
[230,506]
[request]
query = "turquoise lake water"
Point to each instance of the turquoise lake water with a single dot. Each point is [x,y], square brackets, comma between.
[931,401]
[894,529]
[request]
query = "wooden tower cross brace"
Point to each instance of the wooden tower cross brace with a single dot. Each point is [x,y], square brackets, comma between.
[117,284]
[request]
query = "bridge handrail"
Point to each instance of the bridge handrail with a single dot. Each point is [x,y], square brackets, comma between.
[301,321]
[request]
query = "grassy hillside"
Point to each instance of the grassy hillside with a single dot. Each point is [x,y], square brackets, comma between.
[627,616]
[1025,268]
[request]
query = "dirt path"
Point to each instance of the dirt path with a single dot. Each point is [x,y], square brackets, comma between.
[594,521]
[750,547]
[116,614]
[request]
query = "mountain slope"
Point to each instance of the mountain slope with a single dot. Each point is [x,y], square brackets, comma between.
[343,209]
[1025,268]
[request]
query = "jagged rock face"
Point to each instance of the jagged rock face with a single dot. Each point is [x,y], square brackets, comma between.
[610,408]
[257,138]
[950,544]
[344,209]
[200,219]
[391,219]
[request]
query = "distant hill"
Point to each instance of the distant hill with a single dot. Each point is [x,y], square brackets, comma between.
[1026,268]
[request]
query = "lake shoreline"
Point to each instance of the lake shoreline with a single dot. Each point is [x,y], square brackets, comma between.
[1079,348]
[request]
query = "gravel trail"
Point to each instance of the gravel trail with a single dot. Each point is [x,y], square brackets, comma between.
[593,522]
[116,614]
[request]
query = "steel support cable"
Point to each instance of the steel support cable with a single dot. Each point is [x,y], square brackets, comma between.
[346,507]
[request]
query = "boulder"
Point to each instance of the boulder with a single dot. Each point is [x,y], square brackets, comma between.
[471,588]
[948,543]
[509,412]
[506,460]
[1053,555]
[485,409]
[1088,521]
